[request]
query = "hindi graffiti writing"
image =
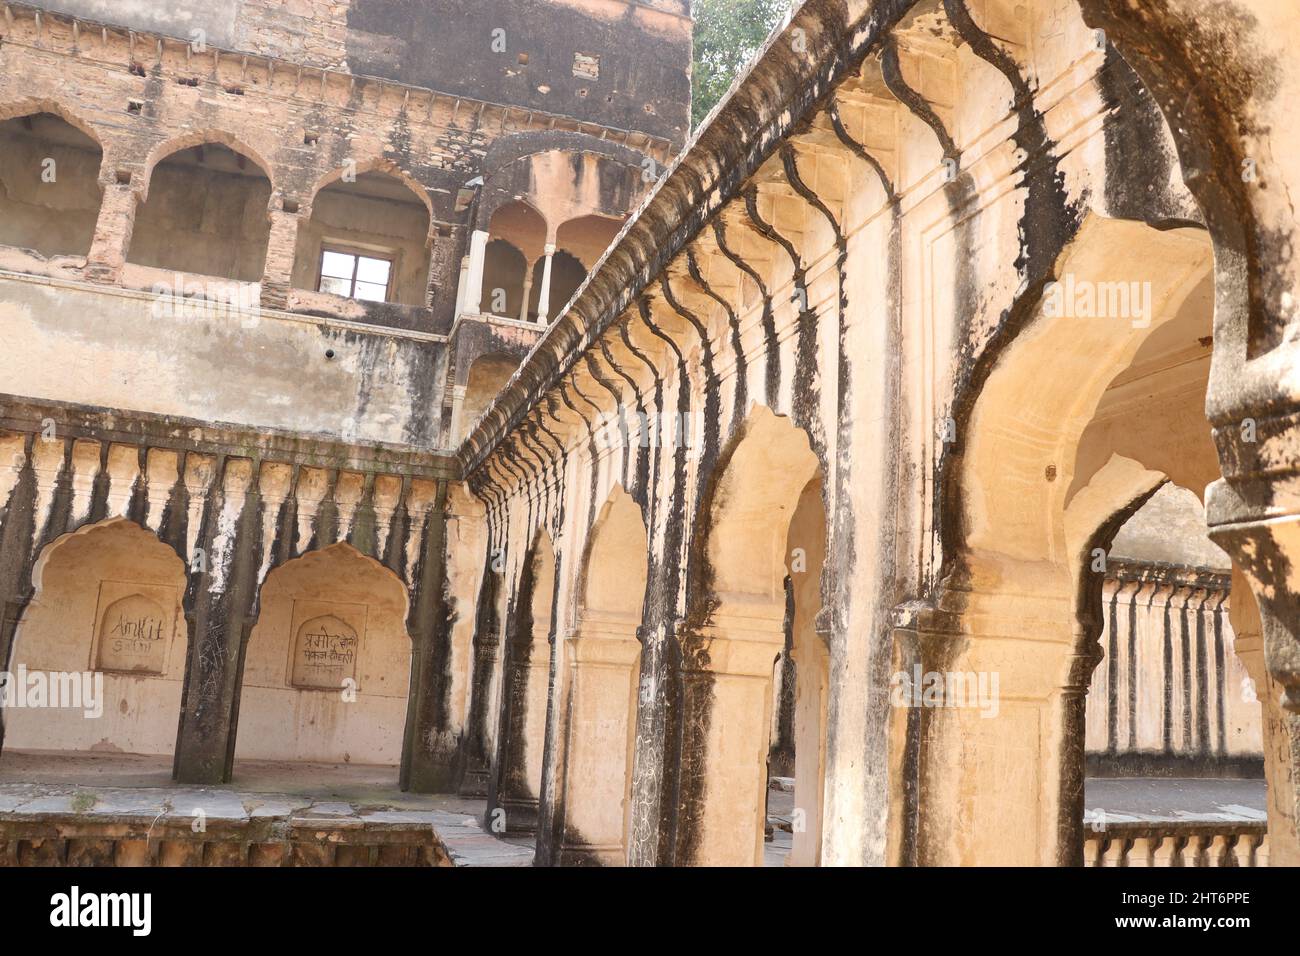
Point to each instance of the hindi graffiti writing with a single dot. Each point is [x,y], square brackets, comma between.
[324,654]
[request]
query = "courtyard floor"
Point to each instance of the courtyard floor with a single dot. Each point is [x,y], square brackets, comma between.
[35,782]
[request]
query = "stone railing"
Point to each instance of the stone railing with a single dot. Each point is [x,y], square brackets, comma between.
[68,824]
[1177,843]
[79,839]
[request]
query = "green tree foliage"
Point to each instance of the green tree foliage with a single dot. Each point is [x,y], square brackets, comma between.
[727,35]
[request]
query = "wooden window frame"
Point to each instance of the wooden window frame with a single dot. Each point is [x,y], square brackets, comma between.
[358,253]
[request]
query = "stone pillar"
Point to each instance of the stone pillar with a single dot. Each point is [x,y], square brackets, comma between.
[1253,511]
[112,238]
[521,738]
[281,251]
[218,608]
[544,297]
[528,290]
[462,286]
[603,657]
[728,700]
[477,759]
[1248,642]
[512,787]
[18,529]
[457,413]
[473,297]
[655,771]
[1000,722]
[812,696]
[429,749]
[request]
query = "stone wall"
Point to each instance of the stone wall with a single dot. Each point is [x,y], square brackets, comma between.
[621,63]
[872,272]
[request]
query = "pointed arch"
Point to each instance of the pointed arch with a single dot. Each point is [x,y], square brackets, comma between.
[31,106]
[381,165]
[1027,499]
[736,633]
[168,148]
[601,671]
[108,602]
[328,663]
[204,208]
[51,185]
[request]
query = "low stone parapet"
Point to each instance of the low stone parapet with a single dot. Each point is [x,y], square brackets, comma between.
[1178,843]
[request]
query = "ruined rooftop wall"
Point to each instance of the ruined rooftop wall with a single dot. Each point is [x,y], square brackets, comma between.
[619,63]
[218,19]
[622,64]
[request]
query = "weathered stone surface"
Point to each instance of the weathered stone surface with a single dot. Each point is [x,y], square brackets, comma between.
[128,827]
[815,465]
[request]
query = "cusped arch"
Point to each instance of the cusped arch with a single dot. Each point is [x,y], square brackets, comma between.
[588,237]
[492,203]
[316,555]
[482,363]
[90,528]
[519,221]
[1014,468]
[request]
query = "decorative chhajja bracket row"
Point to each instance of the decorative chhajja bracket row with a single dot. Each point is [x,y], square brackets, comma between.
[233,506]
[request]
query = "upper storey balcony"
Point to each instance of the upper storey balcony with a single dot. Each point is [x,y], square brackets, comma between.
[221,236]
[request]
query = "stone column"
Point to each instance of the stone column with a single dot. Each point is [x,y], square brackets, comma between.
[812,697]
[999,701]
[528,290]
[281,251]
[1253,511]
[218,608]
[476,760]
[603,656]
[19,526]
[458,422]
[1254,515]
[544,297]
[473,297]
[1248,642]
[462,286]
[728,700]
[112,238]
[429,751]
[521,737]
